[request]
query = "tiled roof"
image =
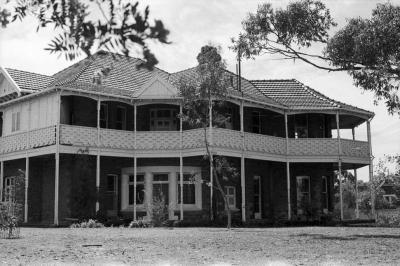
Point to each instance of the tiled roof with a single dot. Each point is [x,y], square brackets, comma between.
[28,80]
[125,79]
[248,89]
[295,95]
[124,73]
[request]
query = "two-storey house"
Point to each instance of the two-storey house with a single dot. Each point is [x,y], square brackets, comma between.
[121,143]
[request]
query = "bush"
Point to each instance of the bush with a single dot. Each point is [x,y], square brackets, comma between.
[140,223]
[87,224]
[388,218]
[159,211]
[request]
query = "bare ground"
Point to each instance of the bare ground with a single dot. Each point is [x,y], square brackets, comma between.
[210,246]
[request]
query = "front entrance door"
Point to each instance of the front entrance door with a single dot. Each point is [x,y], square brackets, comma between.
[112,195]
[257,197]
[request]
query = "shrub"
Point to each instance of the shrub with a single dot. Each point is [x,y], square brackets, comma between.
[140,223]
[159,211]
[388,218]
[87,224]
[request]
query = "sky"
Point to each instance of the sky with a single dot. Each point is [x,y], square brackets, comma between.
[194,23]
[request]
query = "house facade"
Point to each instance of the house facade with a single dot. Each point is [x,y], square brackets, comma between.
[112,147]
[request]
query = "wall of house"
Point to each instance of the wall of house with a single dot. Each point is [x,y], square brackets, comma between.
[143,116]
[315,171]
[35,113]
[41,189]
[318,125]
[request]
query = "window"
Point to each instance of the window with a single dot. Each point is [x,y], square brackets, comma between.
[112,183]
[301,126]
[163,119]
[161,187]
[139,189]
[189,189]
[231,196]
[9,189]
[324,192]
[256,122]
[303,193]
[120,121]
[104,115]
[16,121]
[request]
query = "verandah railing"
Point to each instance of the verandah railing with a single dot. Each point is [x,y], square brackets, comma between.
[170,140]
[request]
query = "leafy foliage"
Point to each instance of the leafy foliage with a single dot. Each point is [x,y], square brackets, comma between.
[87,224]
[368,49]
[122,28]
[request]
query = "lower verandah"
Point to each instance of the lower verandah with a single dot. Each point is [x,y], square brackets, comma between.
[265,188]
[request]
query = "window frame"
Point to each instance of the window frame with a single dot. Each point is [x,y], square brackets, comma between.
[232,196]
[132,183]
[178,190]
[298,191]
[15,121]
[324,193]
[256,114]
[105,119]
[172,119]
[122,122]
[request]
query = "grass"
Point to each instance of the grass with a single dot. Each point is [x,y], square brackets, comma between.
[210,246]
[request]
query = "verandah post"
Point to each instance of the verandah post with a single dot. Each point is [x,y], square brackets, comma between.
[181,161]
[242,164]
[57,161]
[134,162]
[98,156]
[1,179]
[287,167]
[355,178]
[339,165]
[26,189]
[371,169]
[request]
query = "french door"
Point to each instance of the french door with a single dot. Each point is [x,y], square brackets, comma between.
[257,196]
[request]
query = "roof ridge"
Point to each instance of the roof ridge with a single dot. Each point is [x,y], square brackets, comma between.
[318,94]
[48,76]
[256,80]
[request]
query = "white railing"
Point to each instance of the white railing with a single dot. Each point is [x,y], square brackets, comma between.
[35,138]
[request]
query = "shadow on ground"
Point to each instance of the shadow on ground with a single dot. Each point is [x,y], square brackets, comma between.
[350,237]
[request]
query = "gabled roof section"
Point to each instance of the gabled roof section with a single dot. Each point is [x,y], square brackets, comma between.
[124,73]
[249,91]
[157,88]
[29,81]
[296,96]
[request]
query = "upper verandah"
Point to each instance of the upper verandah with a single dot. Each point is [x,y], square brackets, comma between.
[126,80]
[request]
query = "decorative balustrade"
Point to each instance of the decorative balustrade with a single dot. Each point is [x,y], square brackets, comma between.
[224,139]
[28,140]
[355,148]
[313,147]
[78,136]
[265,144]
[158,140]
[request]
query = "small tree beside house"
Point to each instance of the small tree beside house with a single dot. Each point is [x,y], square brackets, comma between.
[203,94]
[11,205]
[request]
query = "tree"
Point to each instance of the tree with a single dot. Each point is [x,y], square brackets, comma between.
[122,28]
[202,94]
[367,49]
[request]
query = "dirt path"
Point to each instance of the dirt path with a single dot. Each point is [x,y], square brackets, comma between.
[210,246]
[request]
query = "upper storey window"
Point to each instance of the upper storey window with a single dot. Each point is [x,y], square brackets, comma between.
[163,119]
[256,122]
[16,121]
[120,122]
[104,115]
[301,126]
